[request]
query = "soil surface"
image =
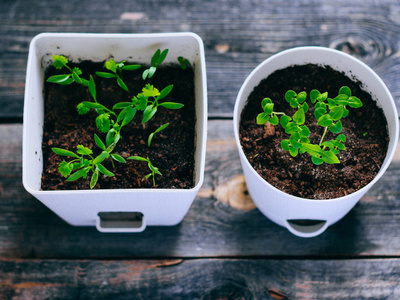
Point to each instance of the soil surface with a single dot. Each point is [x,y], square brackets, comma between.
[365,129]
[171,150]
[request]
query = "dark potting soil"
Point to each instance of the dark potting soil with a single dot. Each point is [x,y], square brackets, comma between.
[171,150]
[365,129]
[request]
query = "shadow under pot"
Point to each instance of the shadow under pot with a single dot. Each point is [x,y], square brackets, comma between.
[315,129]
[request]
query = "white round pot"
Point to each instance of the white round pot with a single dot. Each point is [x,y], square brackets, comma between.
[288,210]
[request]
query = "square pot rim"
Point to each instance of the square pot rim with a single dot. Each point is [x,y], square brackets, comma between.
[120,36]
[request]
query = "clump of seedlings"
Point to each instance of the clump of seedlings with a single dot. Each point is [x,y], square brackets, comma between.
[328,113]
[111,120]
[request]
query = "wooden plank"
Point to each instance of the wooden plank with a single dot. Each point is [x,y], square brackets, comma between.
[219,223]
[200,279]
[237,36]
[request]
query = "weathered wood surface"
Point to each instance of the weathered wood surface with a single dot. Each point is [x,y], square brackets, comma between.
[200,279]
[238,35]
[220,223]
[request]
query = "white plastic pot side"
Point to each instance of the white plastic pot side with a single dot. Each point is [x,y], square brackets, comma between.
[281,207]
[158,207]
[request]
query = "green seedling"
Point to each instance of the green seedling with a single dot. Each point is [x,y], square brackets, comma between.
[148,101]
[328,113]
[156,61]
[116,71]
[83,162]
[60,62]
[162,127]
[183,62]
[154,170]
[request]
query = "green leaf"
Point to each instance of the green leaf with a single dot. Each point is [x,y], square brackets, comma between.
[64,152]
[323,97]
[60,79]
[103,170]
[124,113]
[163,55]
[59,61]
[152,70]
[92,88]
[301,97]
[341,137]
[285,145]
[312,149]
[268,108]
[122,84]
[65,169]
[155,57]
[130,115]
[93,105]
[305,132]
[111,65]
[294,140]
[76,77]
[118,158]
[171,105]
[131,67]
[316,160]
[274,120]
[325,121]
[336,128]
[164,93]
[294,103]
[148,113]
[162,127]
[150,91]
[354,102]
[94,179]
[299,117]
[330,158]
[145,74]
[110,137]
[289,95]
[345,90]
[78,174]
[100,158]
[314,95]
[319,112]
[305,107]
[341,99]
[99,142]
[265,101]
[106,75]
[150,139]
[103,122]
[183,62]
[341,147]
[138,158]
[122,105]
[285,120]
[293,151]
[337,112]
[331,103]
[345,113]
[262,118]
[84,150]
[82,109]
[292,128]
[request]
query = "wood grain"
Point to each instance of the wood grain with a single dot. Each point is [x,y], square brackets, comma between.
[214,227]
[237,35]
[200,279]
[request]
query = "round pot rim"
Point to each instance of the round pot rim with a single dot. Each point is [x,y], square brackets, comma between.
[236,119]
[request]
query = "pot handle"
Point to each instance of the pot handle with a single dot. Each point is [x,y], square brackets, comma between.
[306,228]
[120,222]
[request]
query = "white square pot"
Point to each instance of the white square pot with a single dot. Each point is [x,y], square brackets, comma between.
[150,207]
[281,207]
